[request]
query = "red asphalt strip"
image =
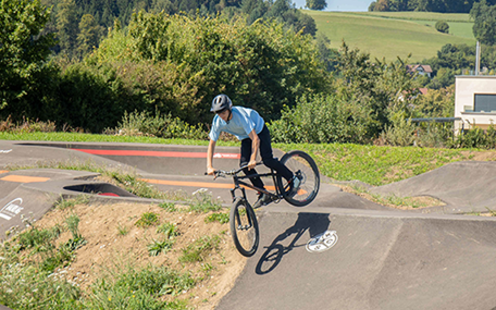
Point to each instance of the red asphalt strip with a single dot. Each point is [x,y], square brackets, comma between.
[157,153]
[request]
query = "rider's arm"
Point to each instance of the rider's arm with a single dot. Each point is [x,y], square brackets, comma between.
[255,143]
[210,156]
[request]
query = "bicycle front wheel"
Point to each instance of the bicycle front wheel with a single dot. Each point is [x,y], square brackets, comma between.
[304,167]
[244,227]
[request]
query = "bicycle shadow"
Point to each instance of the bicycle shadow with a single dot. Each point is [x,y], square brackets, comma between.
[315,223]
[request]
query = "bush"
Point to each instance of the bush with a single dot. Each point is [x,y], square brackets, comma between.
[261,65]
[323,119]
[475,138]
[399,134]
[144,123]
[26,125]
[442,26]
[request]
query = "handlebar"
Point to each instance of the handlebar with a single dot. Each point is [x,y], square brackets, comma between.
[222,173]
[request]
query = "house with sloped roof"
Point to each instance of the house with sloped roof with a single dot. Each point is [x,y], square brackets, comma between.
[420,69]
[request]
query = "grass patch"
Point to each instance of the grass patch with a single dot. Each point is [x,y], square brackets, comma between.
[376,165]
[160,246]
[147,219]
[64,203]
[38,245]
[122,230]
[217,217]
[198,251]
[83,137]
[168,206]
[169,230]
[141,288]
[491,212]
[202,202]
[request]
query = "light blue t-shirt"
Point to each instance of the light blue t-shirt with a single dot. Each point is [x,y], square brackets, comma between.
[243,121]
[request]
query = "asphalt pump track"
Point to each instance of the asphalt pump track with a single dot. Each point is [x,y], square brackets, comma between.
[341,252]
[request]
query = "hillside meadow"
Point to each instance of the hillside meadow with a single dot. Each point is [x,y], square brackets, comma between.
[393,34]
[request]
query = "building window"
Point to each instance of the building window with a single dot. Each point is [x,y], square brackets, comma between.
[484,103]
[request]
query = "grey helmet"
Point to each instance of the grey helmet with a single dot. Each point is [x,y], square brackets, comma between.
[221,103]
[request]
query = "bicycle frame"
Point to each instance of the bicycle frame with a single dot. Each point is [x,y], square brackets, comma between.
[241,185]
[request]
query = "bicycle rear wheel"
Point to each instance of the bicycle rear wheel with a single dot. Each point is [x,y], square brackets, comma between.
[304,167]
[244,227]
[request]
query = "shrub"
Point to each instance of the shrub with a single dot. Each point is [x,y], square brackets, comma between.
[399,134]
[476,138]
[260,65]
[323,119]
[163,126]
[27,125]
[442,26]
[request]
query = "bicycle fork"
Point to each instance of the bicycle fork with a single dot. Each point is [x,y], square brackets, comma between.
[237,215]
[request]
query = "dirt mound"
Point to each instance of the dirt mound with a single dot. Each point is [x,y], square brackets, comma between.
[114,240]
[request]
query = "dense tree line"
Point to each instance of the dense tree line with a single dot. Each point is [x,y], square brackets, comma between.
[79,25]
[160,63]
[440,6]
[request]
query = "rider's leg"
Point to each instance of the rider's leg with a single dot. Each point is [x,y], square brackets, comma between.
[245,158]
[268,158]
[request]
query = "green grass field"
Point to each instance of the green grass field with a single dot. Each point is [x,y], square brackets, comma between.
[393,34]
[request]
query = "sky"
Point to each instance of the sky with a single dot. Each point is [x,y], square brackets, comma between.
[341,5]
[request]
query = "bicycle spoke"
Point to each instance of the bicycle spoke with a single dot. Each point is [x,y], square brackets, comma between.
[305,169]
[244,228]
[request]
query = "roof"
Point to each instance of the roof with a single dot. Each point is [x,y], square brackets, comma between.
[423,90]
[425,68]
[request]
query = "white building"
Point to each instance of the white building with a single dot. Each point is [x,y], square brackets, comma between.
[475,101]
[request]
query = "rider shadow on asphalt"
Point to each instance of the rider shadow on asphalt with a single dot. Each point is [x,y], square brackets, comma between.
[315,223]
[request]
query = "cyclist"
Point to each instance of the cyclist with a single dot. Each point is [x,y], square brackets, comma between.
[249,127]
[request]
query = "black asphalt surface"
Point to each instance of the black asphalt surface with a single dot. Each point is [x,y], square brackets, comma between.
[374,258]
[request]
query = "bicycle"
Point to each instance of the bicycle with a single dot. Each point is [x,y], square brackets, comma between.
[242,218]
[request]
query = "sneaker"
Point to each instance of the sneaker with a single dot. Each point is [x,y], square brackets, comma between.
[263,200]
[294,186]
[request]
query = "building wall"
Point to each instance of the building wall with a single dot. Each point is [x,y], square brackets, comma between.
[466,86]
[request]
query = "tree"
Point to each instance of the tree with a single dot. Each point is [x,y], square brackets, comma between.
[89,34]
[263,65]
[442,26]
[23,50]
[382,6]
[398,5]
[67,26]
[325,53]
[484,17]
[316,4]
[255,9]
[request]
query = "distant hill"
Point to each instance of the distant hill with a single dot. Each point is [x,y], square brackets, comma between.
[392,34]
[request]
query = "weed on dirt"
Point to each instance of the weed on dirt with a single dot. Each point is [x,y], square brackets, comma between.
[119,256]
